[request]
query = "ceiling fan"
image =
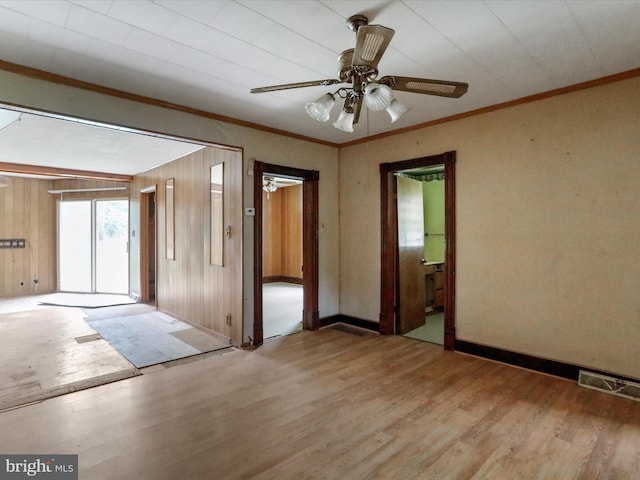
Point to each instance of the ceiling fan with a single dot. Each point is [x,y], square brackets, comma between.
[358,67]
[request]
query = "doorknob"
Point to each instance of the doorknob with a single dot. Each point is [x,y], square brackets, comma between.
[227,232]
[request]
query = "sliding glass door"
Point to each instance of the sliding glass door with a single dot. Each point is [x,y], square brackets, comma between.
[92,246]
[74,246]
[112,256]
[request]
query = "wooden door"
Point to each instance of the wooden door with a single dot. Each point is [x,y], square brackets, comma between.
[411,301]
[389,293]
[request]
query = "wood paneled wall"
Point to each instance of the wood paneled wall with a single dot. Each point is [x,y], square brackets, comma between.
[189,287]
[282,233]
[28,211]
[272,233]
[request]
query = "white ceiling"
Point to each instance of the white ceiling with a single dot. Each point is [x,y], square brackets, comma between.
[208,54]
[43,141]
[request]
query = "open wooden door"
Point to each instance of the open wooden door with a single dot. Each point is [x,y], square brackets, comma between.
[411,302]
[389,274]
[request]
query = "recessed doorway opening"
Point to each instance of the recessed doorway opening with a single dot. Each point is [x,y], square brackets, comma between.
[282,266]
[285,271]
[405,266]
[421,249]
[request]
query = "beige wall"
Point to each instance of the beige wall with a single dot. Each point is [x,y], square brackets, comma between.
[260,145]
[547,205]
[548,228]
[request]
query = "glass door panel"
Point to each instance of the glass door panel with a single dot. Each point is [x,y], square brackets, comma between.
[74,246]
[112,257]
[92,246]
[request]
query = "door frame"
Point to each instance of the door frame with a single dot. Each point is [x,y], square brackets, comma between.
[310,179]
[93,205]
[389,242]
[145,232]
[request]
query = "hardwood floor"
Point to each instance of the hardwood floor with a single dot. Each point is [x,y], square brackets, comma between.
[331,405]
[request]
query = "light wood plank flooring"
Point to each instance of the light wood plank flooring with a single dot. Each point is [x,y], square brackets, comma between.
[331,405]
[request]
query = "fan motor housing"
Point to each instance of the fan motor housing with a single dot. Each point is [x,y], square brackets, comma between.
[356,21]
[346,69]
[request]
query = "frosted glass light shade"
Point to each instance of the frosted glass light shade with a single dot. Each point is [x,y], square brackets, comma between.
[377,96]
[321,108]
[396,110]
[345,122]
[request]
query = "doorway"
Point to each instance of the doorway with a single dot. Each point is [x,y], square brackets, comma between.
[282,272]
[286,222]
[421,251]
[93,254]
[413,285]
[148,239]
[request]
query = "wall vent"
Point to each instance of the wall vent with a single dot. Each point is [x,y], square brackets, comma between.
[611,385]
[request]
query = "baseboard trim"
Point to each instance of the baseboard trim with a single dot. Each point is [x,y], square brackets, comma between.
[356,322]
[530,362]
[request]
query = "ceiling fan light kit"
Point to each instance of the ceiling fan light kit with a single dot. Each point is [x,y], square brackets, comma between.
[377,96]
[396,110]
[321,108]
[345,121]
[359,67]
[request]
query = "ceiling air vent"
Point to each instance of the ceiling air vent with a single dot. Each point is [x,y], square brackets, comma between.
[611,385]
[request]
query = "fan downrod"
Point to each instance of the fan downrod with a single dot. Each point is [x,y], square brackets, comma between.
[356,21]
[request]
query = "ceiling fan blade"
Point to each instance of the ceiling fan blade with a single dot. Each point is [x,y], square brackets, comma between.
[441,88]
[371,42]
[287,86]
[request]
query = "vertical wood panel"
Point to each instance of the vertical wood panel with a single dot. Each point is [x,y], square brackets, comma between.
[28,212]
[189,287]
[272,233]
[292,231]
[282,233]
[234,159]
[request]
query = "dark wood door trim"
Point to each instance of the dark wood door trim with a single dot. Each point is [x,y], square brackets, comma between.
[389,242]
[147,230]
[310,179]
